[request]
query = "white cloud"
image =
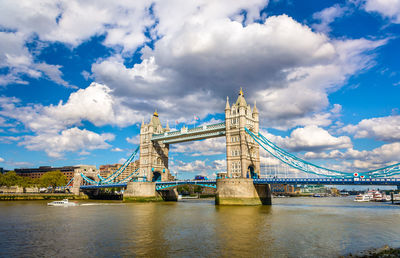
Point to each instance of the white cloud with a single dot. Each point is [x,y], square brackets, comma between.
[381,128]
[15,56]
[387,8]
[9,139]
[53,73]
[204,51]
[134,139]
[72,139]
[95,104]
[310,138]
[193,167]
[207,147]
[327,16]
[1,160]
[202,58]
[117,149]
[219,165]
[55,126]
[384,155]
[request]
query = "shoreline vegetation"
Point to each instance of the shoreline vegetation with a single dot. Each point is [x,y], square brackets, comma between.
[40,196]
[385,251]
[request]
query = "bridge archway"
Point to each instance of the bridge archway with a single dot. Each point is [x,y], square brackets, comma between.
[156,176]
[251,172]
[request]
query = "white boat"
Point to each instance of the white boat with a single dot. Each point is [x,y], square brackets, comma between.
[64,202]
[363,198]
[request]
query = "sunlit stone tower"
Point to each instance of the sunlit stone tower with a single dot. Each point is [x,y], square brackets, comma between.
[242,153]
[153,155]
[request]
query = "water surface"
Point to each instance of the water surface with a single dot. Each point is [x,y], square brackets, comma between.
[291,227]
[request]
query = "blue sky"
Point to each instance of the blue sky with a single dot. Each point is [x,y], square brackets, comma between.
[77,78]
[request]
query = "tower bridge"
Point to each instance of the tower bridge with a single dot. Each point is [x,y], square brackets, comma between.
[242,153]
[242,184]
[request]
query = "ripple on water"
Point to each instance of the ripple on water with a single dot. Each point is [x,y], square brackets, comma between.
[291,227]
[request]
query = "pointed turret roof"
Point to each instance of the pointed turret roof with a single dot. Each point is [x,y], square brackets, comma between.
[240,100]
[155,121]
[255,110]
[227,104]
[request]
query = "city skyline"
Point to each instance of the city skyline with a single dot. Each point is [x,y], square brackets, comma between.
[77,79]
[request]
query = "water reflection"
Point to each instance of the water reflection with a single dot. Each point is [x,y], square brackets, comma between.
[292,227]
[244,229]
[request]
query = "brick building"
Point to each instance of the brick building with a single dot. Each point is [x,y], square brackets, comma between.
[107,170]
[68,171]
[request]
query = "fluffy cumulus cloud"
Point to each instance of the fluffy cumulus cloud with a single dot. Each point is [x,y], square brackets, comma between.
[387,8]
[381,128]
[208,55]
[202,53]
[16,58]
[384,155]
[56,125]
[310,138]
[72,139]
[94,104]
[69,22]
[195,57]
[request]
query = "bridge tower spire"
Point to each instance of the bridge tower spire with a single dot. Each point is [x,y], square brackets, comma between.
[242,153]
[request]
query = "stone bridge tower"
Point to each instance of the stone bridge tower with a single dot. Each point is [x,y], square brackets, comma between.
[242,153]
[153,155]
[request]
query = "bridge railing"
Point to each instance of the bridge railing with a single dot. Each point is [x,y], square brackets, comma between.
[204,129]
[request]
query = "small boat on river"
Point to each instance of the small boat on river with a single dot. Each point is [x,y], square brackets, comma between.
[64,202]
[363,198]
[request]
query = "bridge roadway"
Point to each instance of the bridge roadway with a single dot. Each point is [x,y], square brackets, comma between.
[186,134]
[291,181]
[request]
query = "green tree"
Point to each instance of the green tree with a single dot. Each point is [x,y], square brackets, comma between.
[11,179]
[197,189]
[53,179]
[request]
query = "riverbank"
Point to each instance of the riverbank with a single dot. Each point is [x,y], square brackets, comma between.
[40,197]
[384,251]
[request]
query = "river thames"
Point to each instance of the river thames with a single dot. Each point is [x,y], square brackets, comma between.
[291,227]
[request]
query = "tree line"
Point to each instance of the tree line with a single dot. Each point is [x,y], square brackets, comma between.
[48,179]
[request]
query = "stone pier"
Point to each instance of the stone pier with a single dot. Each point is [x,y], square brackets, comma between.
[169,195]
[242,191]
[141,191]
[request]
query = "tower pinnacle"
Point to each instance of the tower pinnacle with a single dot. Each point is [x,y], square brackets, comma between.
[227,103]
[255,110]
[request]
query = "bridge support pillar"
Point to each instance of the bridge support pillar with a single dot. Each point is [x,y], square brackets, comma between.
[141,191]
[169,195]
[242,191]
[76,184]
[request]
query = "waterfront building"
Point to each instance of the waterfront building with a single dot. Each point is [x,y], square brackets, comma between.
[283,189]
[68,171]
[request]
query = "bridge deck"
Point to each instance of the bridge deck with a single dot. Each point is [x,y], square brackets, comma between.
[292,181]
[197,133]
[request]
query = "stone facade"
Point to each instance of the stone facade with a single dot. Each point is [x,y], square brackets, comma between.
[153,155]
[242,153]
[242,191]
